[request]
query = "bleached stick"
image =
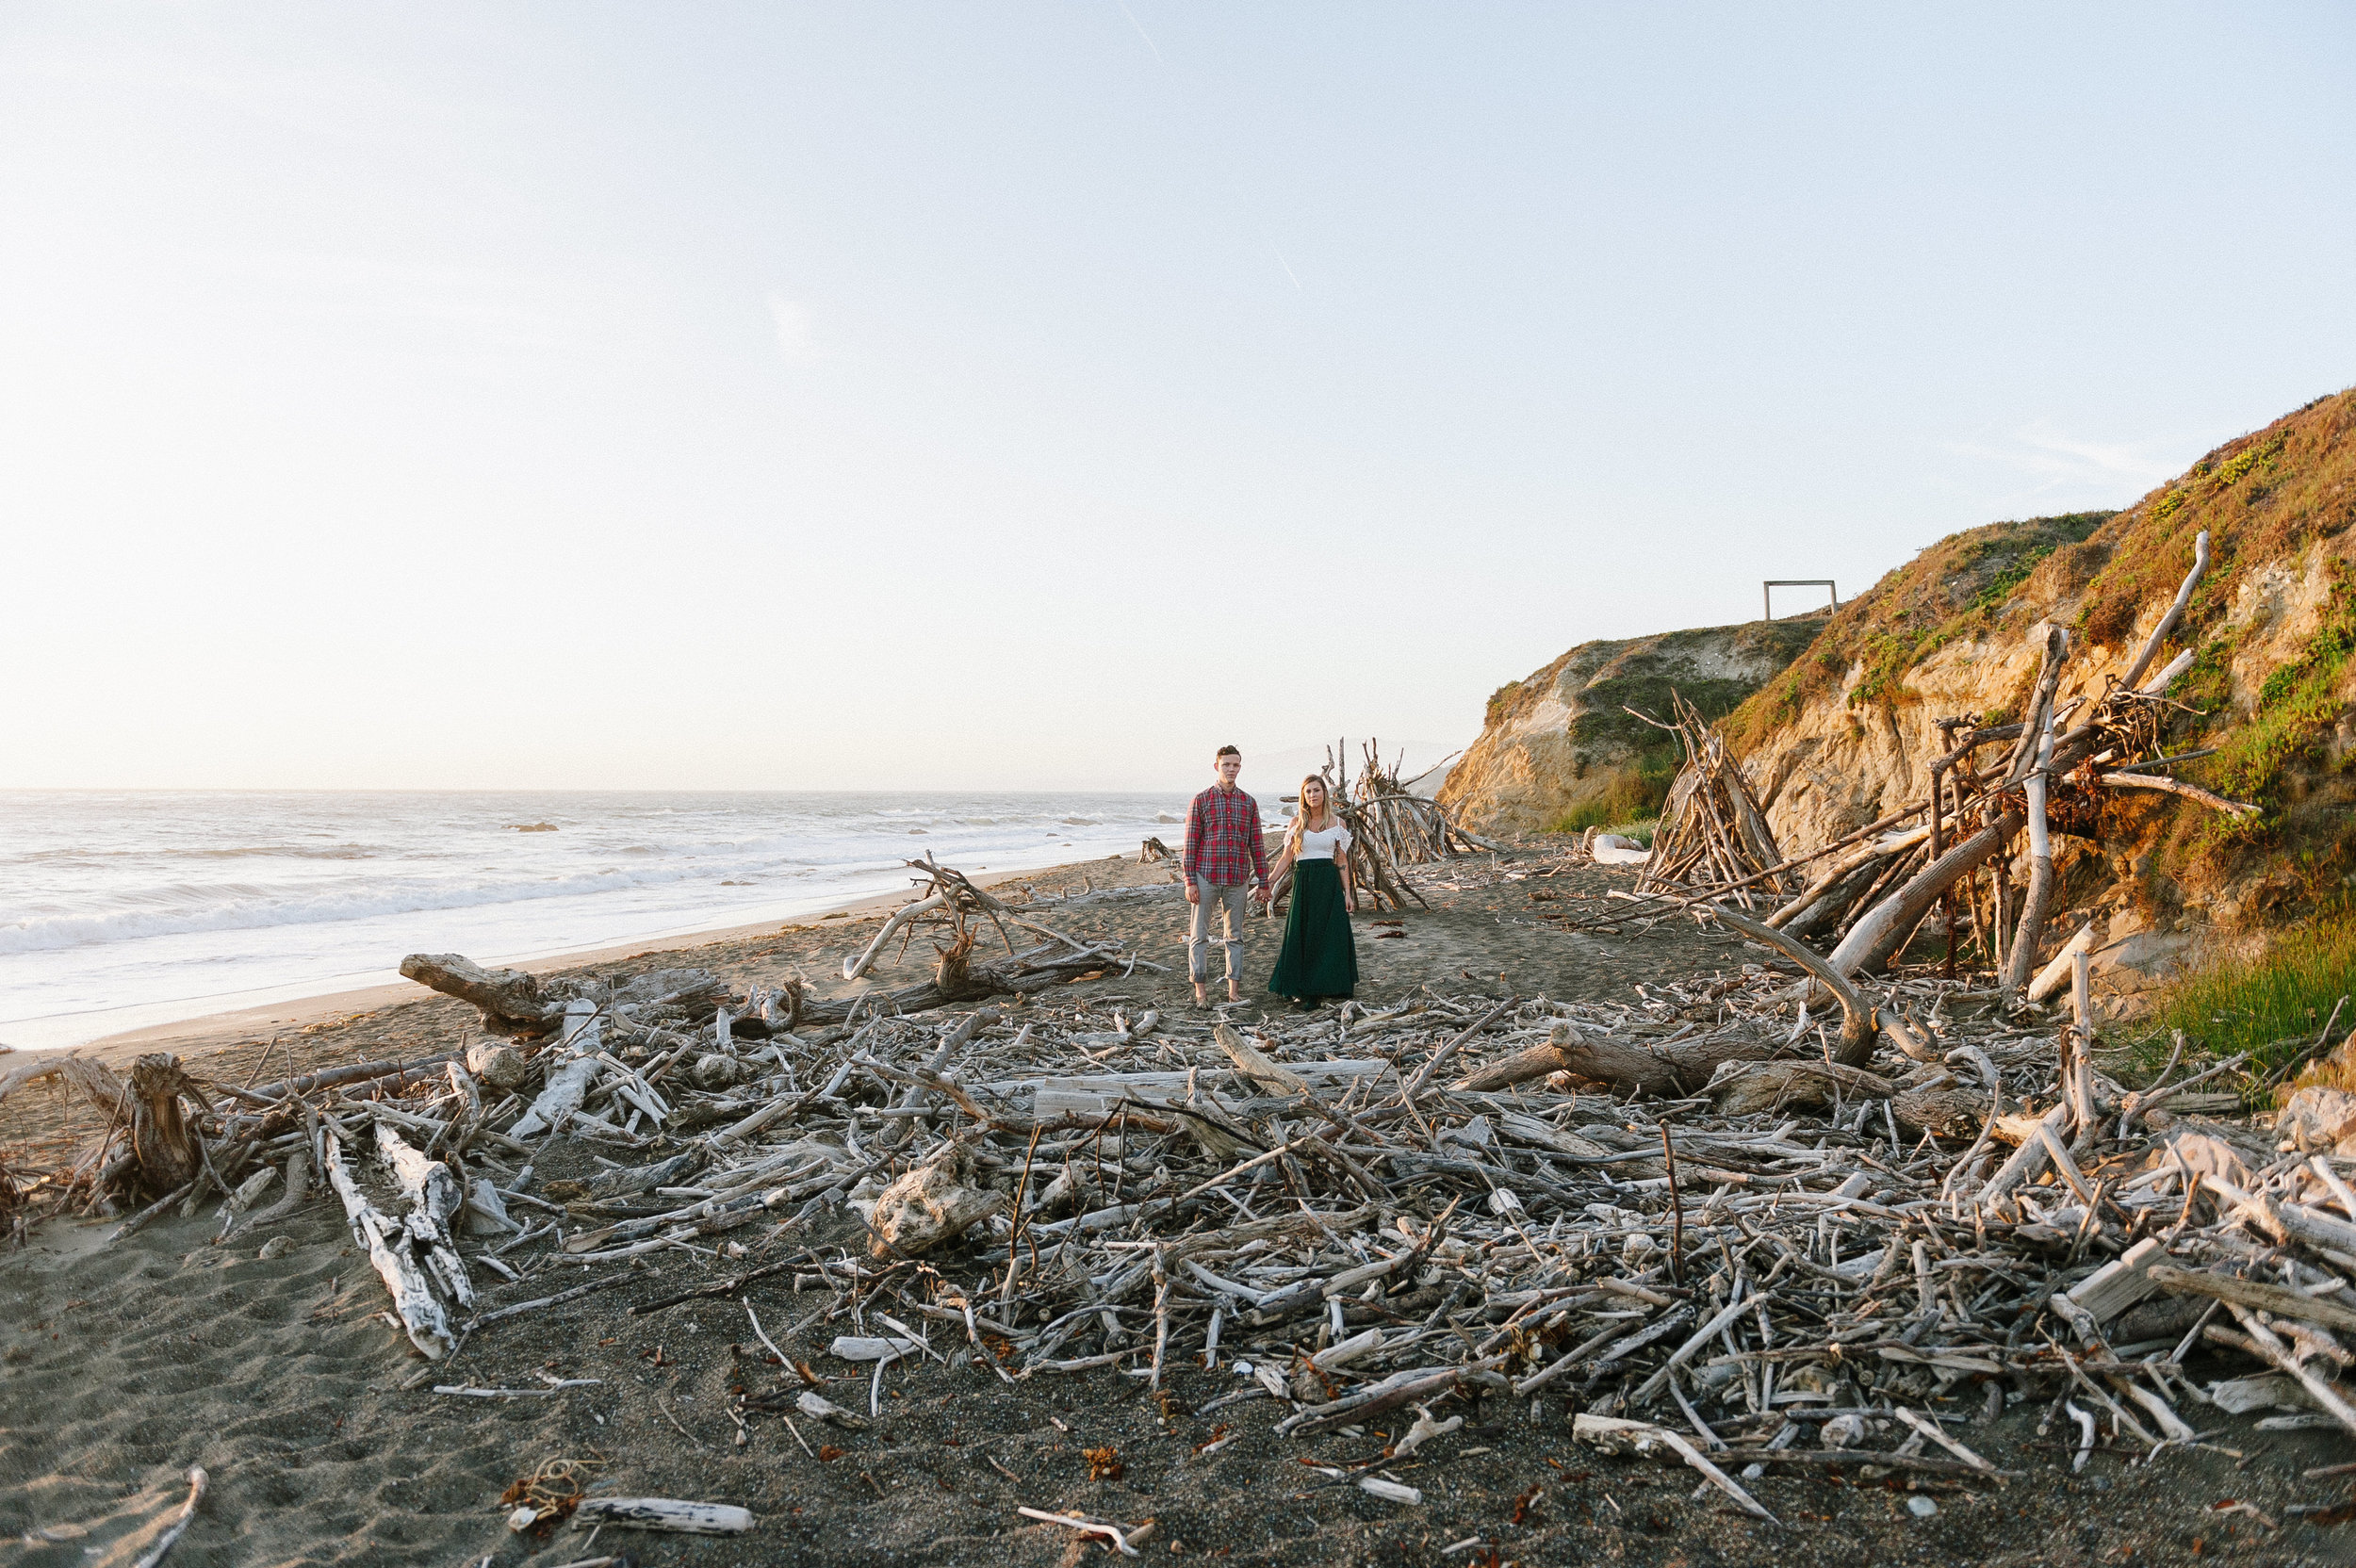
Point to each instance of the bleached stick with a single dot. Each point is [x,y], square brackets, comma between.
[420,1314]
[196,1482]
[1641,1432]
[2142,661]
[568,1082]
[854,967]
[666,1513]
[433,1197]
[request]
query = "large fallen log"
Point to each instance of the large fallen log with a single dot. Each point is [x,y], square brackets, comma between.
[1903,911]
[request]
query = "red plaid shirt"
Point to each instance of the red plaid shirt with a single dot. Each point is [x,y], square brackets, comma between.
[1223,841]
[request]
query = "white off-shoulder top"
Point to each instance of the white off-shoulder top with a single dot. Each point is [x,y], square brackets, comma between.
[1322,845]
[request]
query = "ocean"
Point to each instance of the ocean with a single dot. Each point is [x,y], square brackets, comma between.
[122,909]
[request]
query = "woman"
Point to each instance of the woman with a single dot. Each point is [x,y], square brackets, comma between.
[1320,960]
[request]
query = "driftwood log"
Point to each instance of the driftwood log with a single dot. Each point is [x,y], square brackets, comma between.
[511,1001]
[385,1240]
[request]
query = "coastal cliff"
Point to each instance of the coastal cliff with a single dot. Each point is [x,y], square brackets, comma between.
[1841,729]
[1561,751]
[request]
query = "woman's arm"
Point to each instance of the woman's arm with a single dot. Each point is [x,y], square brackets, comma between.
[1350,884]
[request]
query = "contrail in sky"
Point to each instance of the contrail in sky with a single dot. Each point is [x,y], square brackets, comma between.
[1142,33]
[1286,266]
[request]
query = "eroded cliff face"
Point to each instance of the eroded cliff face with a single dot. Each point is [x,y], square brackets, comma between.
[1559,748]
[1838,718]
[1848,734]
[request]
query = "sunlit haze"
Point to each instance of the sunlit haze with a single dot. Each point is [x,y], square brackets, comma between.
[997,396]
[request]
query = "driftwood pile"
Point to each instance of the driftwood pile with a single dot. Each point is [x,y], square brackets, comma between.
[1390,827]
[1711,1221]
[1713,832]
[1867,893]
[1703,1221]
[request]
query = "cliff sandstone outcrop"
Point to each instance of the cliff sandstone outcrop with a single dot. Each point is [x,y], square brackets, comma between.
[1559,749]
[1841,729]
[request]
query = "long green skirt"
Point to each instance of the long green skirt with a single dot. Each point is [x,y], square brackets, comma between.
[1319,955]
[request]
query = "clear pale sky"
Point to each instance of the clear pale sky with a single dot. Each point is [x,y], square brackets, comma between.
[993,395]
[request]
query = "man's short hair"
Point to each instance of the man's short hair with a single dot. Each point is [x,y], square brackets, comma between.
[1228,751]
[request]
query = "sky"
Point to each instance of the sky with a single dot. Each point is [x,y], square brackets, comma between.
[1031,396]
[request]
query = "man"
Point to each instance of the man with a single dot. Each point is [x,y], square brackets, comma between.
[1226,860]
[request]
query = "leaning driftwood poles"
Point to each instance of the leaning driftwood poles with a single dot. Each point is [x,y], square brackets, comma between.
[1879,932]
[2033,768]
[1871,893]
[1711,827]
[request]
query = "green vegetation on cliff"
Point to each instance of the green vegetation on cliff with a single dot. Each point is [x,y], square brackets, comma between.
[1959,587]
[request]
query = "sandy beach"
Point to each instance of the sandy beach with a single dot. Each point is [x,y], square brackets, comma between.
[325,1439]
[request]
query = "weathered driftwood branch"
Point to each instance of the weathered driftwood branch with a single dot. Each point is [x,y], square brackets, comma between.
[433,1197]
[414,1303]
[511,1001]
[666,1513]
[1685,1067]
[2142,661]
[854,967]
[568,1084]
[2176,787]
[1856,1018]
[289,1202]
[198,1480]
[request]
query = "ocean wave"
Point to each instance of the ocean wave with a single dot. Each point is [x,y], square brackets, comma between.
[249,909]
[240,852]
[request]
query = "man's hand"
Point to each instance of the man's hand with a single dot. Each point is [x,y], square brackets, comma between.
[1194,894]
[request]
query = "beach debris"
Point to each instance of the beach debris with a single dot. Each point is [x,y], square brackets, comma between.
[198,1481]
[1389,1491]
[276,1246]
[1423,1432]
[549,1494]
[664,1513]
[296,1190]
[931,1205]
[819,1408]
[1122,1538]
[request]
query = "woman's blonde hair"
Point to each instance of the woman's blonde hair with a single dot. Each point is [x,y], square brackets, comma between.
[1301,818]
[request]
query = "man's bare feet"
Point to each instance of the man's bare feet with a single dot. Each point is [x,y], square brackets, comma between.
[1234,993]
[1201,996]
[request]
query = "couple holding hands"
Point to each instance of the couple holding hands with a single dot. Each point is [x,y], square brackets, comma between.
[1226,863]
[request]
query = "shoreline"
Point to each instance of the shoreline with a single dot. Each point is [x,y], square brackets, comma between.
[212,1031]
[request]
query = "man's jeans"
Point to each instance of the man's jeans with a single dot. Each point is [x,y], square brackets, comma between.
[1229,900]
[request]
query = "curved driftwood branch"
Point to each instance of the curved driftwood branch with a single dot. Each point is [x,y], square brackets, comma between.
[1857,1019]
[854,967]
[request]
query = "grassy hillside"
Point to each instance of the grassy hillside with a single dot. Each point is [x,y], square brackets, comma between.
[1962,586]
[2280,714]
